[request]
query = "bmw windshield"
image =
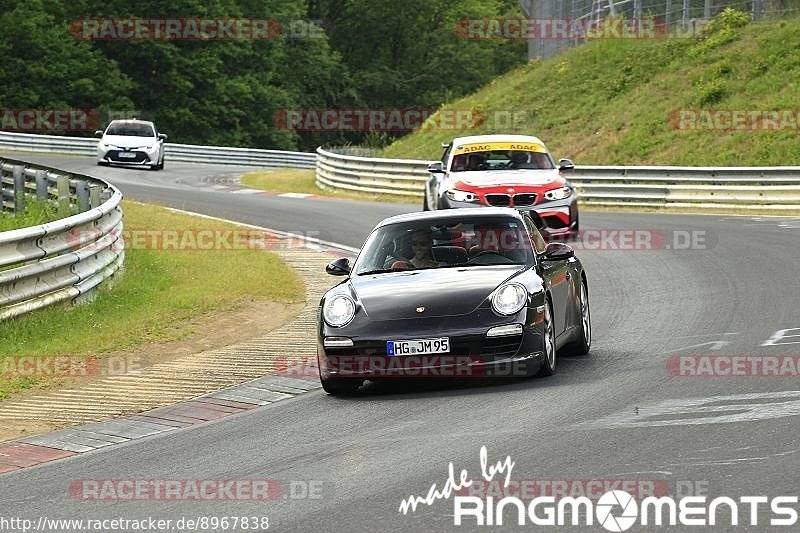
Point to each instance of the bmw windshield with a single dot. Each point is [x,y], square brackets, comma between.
[501,160]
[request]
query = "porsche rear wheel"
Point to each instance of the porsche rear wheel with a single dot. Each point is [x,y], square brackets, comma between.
[549,365]
[583,342]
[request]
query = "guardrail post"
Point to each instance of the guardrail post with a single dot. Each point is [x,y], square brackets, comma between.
[18,174]
[82,192]
[62,184]
[94,196]
[41,185]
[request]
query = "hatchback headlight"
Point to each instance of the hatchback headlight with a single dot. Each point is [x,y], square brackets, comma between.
[558,194]
[509,298]
[462,196]
[339,311]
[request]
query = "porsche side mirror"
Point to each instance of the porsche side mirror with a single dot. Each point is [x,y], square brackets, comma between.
[436,168]
[340,267]
[558,251]
[98,133]
[566,164]
[162,136]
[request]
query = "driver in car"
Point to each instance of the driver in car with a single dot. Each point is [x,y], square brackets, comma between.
[476,162]
[421,244]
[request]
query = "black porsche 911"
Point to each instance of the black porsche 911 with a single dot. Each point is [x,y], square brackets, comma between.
[456,293]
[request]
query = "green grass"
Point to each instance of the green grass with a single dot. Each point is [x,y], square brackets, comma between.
[152,299]
[609,102]
[35,213]
[304,181]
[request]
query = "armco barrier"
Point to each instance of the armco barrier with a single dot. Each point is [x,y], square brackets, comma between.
[754,188]
[64,259]
[185,153]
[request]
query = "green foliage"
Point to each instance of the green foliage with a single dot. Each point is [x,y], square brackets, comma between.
[379,54]
[35,213]
[614,102]
[723,29]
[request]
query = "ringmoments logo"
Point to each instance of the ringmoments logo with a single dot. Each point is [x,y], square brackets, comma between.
[615,510]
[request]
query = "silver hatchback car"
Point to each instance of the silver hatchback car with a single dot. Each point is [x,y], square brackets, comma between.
[131,142]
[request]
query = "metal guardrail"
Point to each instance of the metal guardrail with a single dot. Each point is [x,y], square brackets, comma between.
[184,153]
[64,259]
[756,188]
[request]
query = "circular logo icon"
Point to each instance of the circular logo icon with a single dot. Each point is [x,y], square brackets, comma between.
[616,510]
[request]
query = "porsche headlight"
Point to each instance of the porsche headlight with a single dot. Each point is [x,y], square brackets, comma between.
[509,298]
[339,310]
[462,196]
[558,194]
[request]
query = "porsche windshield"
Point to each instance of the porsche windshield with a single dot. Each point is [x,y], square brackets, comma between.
[501,160]
[477,241]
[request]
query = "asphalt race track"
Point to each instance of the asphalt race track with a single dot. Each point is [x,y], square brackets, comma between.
[617,414]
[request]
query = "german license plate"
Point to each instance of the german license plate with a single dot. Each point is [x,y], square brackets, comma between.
[127,155]
[418,347]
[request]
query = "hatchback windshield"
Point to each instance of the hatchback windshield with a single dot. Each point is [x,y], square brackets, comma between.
[475,241]
[131,130]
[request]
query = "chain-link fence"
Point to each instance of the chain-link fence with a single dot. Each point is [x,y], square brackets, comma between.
[671,17]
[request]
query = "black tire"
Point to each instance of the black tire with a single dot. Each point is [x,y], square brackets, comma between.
[550,364]
[583,343]
[161,166]
[341,386]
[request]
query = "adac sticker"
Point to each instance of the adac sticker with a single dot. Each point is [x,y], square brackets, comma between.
[485,147]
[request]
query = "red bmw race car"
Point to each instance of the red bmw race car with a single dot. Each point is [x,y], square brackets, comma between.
[505,171]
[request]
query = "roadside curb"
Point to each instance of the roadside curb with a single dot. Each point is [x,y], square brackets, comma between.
[277,366]
[63,443]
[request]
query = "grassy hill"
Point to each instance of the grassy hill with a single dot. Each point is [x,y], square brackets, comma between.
[611,101]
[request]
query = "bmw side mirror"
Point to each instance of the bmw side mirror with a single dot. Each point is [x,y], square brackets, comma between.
[436,168]
[566,164]
[98,133]
[340,267]
[162,136]
[558,251]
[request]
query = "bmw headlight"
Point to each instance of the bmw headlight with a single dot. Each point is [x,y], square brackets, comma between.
[509,298]
[339,310]
[558,194]
[462,196]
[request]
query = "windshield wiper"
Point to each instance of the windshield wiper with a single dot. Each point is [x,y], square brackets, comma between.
[376,271]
